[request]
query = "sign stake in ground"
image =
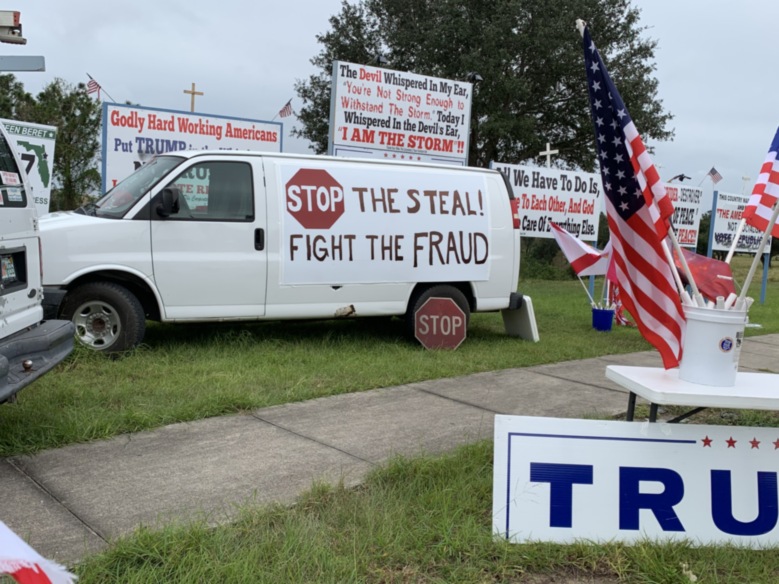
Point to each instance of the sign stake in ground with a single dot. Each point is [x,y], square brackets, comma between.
[440,324]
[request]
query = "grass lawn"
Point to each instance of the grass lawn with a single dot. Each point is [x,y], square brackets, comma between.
[413,520]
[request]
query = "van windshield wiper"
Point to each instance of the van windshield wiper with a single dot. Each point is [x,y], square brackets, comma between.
[88,209]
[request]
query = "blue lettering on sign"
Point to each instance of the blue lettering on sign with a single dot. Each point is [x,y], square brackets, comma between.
[631,501]
[561,478]
[722,504]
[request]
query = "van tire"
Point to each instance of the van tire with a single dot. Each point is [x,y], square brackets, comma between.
[419,298]
[107,316]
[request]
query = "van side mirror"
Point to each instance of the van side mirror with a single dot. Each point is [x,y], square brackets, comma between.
[169,202]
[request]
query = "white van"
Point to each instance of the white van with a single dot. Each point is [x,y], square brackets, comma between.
[199,236]
[29,346]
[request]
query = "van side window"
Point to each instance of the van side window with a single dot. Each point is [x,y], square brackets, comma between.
[11,183]
[215,191]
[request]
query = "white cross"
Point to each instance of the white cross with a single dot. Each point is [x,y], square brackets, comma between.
[548,153]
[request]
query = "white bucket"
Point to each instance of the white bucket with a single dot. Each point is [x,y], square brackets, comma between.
[712,346]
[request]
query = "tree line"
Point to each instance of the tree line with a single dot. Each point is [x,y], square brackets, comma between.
[527,54]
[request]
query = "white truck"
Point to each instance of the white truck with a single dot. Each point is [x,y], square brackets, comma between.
[207,236]
[29,346]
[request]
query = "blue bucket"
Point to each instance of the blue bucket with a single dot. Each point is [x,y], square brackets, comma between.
[602,319]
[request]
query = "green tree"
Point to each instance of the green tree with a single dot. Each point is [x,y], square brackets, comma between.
[77,118]
[528,53]
[15,102]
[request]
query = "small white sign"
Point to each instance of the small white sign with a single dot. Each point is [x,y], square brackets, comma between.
[728,211]
[35,147]
[568,198]
[687,212]
[565,480]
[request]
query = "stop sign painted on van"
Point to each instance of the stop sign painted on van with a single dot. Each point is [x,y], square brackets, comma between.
[314,198]
[440,324]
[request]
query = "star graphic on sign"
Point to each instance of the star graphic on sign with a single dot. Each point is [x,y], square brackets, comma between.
[755,443]
[706,441]
[731,442]
[776,444]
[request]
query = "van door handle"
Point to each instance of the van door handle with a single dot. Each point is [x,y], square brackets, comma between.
[259,239]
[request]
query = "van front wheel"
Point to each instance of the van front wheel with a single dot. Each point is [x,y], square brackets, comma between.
[107,316]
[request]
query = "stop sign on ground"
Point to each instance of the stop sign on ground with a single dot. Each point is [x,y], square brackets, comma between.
[314,198]
[440,324]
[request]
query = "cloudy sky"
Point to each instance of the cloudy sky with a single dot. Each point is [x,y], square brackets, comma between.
[714,64]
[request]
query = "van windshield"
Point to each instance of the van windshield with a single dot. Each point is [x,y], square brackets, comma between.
[120,199]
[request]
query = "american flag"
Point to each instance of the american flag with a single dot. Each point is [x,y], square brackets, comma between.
[584,259]
[637,208]
[760,207]
[93,87]
[715,175]
[286,110]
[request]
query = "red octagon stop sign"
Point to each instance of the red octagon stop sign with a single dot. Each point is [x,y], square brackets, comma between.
[314,198]
[440,324]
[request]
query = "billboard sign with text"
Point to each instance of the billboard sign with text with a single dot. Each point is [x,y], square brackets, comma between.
[394,115]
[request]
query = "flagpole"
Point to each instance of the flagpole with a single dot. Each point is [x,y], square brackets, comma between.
[696,295]
[592,302]
[766,234]
[736,237]
[100,87]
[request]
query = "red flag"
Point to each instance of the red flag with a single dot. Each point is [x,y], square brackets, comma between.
[637,208]
[25,565]
[760,206]
[584,259]
[713,277]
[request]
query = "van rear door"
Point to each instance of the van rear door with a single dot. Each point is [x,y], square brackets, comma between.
[20,270]
[209,254]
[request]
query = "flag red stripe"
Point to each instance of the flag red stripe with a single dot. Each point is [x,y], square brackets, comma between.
[642,267]
[764,195]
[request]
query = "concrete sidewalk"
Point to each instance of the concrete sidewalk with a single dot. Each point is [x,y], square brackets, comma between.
[72,501]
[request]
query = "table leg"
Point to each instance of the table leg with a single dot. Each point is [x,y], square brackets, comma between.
[653,412]
[631,407]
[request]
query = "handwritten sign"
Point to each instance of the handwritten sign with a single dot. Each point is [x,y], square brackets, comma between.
[349,224]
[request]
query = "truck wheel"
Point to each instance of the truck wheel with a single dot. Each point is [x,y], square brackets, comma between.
[439,291]
[107,316]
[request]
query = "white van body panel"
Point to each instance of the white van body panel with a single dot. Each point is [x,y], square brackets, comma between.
[28,346]
[253,264]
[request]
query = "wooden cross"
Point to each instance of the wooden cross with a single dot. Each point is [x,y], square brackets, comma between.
[548,153]
[193,93]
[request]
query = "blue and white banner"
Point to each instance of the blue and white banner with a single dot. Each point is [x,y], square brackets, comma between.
[560,480]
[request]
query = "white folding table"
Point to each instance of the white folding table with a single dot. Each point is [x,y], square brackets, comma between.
[752,391]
